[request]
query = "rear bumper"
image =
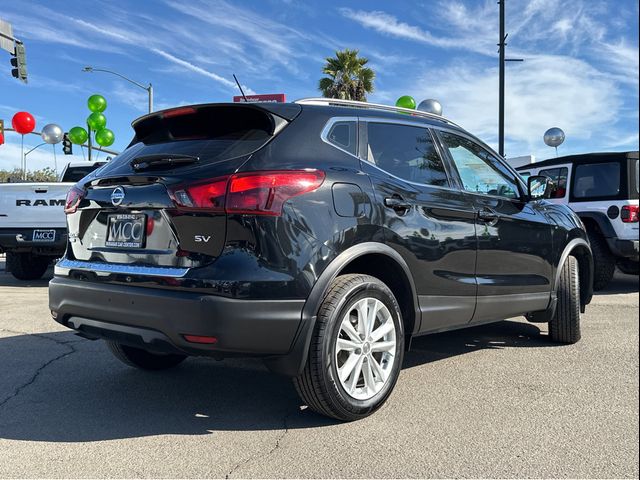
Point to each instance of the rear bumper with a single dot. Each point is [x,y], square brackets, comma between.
[16,239]
[159,319]
[624,248]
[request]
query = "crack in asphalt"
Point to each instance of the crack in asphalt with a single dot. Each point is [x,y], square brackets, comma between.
[39,370]
[265,455]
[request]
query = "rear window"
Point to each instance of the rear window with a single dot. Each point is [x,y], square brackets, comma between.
[596,180]
[212,134]
[75,174]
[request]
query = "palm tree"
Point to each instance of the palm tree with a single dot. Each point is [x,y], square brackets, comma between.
[348,78]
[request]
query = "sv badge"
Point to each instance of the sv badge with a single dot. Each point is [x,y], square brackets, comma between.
[202,238]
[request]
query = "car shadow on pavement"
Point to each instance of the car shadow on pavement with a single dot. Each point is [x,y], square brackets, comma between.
[75,391]
[505,334]
[8,280]
[621,283]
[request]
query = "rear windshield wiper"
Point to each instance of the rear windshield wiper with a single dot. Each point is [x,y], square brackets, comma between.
[162,160]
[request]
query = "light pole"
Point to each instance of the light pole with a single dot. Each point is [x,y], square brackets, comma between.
[149,88]
[24,160]
[501,50]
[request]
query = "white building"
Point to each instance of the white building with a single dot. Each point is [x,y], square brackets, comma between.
[516,162]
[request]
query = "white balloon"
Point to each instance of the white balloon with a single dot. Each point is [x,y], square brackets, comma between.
[554,137]
[52,133]
[430,106]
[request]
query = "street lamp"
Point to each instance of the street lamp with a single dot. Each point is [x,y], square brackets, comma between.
[149,88]
[24,160]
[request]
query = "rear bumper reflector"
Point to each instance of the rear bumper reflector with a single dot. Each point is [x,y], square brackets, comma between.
[200,339]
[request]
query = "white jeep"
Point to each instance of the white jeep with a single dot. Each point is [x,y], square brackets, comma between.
[602,188]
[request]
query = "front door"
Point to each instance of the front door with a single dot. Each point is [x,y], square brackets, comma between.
[430,224]
[514,265]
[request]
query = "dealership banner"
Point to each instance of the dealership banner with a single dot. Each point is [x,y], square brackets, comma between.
[266,97]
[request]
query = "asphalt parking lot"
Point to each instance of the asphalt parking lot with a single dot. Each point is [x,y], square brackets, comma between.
[492,401]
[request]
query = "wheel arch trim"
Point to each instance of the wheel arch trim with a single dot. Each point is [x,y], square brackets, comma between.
[574,244]
[293,363]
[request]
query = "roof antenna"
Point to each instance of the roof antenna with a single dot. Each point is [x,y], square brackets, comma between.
[241,91]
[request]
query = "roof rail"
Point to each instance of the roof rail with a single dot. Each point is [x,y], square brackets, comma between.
[371,106]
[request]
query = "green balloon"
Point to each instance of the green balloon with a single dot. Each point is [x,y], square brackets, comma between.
[105,137]
[97,121]
[97,103]
[406,102]
[78,135]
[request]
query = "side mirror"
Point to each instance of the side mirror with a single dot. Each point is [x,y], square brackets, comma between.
[539,187]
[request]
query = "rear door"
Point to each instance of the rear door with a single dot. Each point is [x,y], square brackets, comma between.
[430,224]
[515,256]
[605,187]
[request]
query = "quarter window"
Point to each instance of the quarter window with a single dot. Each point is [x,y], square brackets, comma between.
[406,152]
[343,136]
[479,171]
[597,180]
[559,177]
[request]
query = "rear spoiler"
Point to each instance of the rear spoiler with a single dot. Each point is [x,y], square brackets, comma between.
[162,125]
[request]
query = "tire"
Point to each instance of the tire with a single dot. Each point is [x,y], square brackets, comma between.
[604,264]
[26,266]
[564,327]
[143,359]
[629,267]
[364,390]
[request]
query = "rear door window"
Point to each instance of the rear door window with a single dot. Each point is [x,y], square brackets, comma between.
[343,135]
[559,178]
[596,180]
[406,152]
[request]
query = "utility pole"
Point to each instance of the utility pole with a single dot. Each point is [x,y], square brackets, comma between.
[501,50]
[501,46]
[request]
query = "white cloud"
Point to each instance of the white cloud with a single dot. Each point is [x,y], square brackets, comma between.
[40,158]
[389,25]
[542,92]
[199,70]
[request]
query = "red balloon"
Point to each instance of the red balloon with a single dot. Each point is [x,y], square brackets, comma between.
[23,122]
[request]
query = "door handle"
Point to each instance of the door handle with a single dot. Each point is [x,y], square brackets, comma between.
[488,216]
[397,203]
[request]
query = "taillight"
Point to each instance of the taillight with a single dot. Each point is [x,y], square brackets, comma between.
[629,214]
[203,195]
[254,193]
[73,199]
[264,193]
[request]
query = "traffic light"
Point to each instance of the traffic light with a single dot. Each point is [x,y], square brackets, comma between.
[19,63]
[1,131]
[67,147]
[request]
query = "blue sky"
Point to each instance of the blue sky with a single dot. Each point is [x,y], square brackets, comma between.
[580,70]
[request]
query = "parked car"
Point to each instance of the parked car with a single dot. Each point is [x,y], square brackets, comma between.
[602,188]
[320,235]
[33,227]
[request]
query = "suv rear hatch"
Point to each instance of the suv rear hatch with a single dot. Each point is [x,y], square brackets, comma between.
[158,203]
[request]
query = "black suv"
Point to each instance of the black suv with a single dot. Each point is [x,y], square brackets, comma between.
[320,235]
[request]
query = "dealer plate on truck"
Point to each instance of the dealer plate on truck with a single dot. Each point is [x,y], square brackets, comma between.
[126,230]
[44,236]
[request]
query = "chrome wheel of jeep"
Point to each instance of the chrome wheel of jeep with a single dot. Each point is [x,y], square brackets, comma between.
[365,348]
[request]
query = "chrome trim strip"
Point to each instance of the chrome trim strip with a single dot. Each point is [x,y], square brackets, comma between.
[108,268]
